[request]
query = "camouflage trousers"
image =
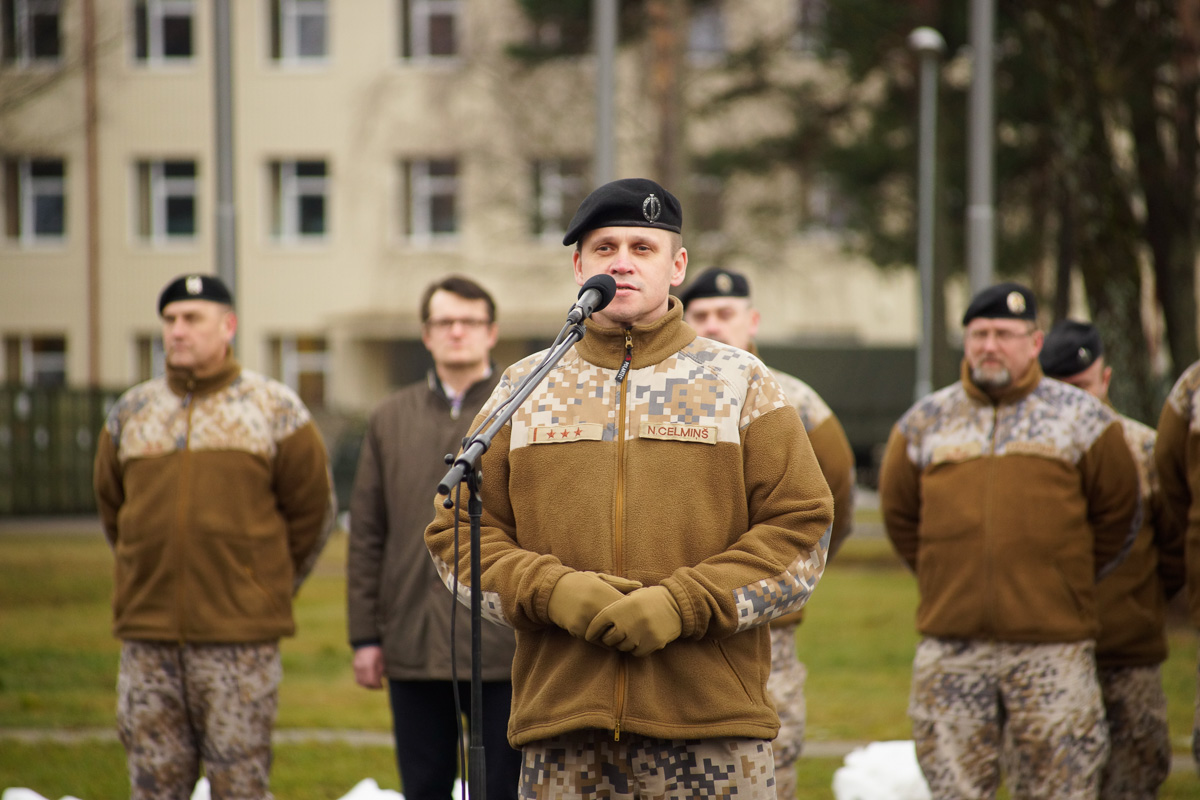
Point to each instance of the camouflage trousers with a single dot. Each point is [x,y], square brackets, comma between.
[1139,757]
[182,705]
[1031,710]
[786,687]
[591,764]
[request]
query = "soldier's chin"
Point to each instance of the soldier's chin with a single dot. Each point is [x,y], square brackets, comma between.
[991,377]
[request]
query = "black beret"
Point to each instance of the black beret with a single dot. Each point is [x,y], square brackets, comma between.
[1070,348]
[716,282]
[195,287]
[626,203]
[1002,301]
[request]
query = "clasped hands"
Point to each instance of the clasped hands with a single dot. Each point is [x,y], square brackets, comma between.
[617,612]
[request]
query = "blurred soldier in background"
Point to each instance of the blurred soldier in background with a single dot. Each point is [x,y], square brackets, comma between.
[717,304]
[1132,600]
[214,491]
[1008,495]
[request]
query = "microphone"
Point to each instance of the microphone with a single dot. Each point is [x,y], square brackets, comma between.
[597,292]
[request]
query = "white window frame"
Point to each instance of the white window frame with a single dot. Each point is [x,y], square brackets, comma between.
[707,34]
[148,348]
[293,362]
[23,12]
[416,17]
[34,364]
[155,189]
[555,185]
[287,190]
[421,189]
[292,14]
[157,11]
[29,189]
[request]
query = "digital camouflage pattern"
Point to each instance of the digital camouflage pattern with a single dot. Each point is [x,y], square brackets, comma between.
[786,687]
[1139,757]
[180,706]
[1034,709]
[591,764]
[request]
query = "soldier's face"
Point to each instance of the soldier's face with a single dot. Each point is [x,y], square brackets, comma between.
[731,320]
[1094,380]
[458,333]
[197,334]
[645,263]
[1000,351]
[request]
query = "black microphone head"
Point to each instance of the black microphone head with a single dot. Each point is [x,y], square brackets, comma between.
[605,285]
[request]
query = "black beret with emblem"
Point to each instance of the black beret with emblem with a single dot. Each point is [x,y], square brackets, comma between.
[195,287]
[1070,348]
[1002,301]
[626,203]
[716,282]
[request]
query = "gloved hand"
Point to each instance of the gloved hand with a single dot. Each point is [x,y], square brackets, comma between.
[579,596]
[643,621]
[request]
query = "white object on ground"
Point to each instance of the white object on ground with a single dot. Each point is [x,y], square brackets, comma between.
[881,771]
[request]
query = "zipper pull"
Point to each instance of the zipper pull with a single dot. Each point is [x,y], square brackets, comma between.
[628,356]
[617,732]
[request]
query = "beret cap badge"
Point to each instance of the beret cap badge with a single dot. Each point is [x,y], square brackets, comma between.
[651,208]
[1016,302]
[724,283]
[194,284]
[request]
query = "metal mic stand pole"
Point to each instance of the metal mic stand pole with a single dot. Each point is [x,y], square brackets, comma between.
[465,469]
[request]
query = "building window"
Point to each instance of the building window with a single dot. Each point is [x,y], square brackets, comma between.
[430,28]
[162,30]
[30,31]
[166,200]
[299,30]
[810,24]
[706,37]
[430,199]
[149,358]
[35,199]
[707,214]
[299,199]
[36,361]
[823,207]
[302,362]
[559,186]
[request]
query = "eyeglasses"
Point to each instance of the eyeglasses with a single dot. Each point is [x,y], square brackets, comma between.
[1003,336]
[442,325]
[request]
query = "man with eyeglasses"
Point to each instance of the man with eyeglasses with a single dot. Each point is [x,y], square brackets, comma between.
[399,611]
[1009,495]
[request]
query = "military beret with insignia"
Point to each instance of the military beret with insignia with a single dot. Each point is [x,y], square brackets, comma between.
[1070,348]
[195,287]
[626,203]
[716,282]
[1002,301]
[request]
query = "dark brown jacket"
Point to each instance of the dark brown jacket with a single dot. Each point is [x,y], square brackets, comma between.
[395,597]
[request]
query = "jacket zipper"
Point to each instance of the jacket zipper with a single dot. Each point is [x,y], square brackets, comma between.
[988,540]
[619,532]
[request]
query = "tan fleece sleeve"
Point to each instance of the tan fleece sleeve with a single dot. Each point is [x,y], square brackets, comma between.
[304,493]
[107,485]
[900,498]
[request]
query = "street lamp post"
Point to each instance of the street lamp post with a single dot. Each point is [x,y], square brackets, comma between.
[928,45]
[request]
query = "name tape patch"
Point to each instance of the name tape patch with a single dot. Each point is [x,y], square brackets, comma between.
[675,432]
[556,434]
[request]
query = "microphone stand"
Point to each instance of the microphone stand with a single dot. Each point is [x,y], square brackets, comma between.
[465,469]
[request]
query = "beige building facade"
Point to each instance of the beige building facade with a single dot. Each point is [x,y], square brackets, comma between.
[377,145]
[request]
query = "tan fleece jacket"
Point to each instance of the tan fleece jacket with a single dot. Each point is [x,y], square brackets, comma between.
[216,498]
[1177,456]
[1008,508]
[687,469]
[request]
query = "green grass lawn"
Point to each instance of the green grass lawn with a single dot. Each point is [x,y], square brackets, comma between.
[58,666]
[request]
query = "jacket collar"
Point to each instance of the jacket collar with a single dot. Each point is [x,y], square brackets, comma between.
[605,347]
[484,384]
[182,382]
[1013,393]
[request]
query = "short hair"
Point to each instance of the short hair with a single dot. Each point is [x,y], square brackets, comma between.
[463,287]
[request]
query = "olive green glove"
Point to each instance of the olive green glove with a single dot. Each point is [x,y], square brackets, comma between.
[643,621]
[579,596]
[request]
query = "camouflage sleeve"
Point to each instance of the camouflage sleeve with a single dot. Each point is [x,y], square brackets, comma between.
[774,567]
